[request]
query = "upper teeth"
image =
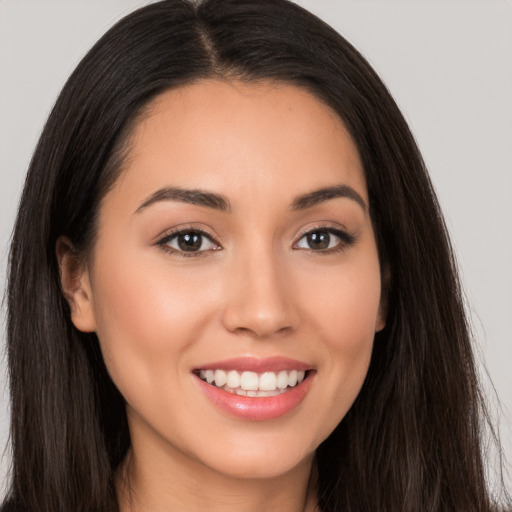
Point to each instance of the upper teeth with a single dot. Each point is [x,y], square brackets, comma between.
[251,381]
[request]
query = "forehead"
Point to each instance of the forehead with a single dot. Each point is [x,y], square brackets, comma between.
[237,138]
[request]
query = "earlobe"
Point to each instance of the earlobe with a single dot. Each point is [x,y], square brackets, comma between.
[76,286]
[381,319]
[383,305]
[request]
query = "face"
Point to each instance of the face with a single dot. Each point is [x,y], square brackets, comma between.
[235,283]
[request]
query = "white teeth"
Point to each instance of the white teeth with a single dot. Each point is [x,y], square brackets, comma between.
[209,376]
[253,384]
[268,381]
[220,378]
[270,393]
[249,381]
[233,379]
[252,394]
[282,380]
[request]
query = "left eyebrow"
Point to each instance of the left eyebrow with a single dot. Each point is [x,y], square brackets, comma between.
[321,195]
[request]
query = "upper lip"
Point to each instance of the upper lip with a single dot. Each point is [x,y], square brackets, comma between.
[256,364]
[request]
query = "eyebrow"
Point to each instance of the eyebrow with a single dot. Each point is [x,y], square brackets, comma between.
[325,194]
[219,202]
[191,196]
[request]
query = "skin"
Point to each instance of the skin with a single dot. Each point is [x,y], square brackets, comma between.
[258,290]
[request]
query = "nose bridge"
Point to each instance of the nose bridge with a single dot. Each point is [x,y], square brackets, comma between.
[260,300]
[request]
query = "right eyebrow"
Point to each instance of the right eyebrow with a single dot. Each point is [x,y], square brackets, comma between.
[192,196]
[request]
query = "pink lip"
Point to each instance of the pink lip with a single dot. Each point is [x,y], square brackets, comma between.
[257,365]
[257,408]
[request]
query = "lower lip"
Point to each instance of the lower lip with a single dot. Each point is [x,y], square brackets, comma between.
[257,408]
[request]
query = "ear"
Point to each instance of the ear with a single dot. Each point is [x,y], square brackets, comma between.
[383,305]
[76,286]
[381,318]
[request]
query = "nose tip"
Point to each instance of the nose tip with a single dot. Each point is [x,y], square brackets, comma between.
[257,325]
[260,303]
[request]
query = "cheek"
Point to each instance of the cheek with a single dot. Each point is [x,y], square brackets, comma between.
[345,317]
[146,318]
[348,307]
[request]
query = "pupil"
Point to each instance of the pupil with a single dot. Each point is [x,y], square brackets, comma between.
[319,240]
[189,241]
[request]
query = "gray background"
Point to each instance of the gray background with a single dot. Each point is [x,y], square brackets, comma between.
[448,63]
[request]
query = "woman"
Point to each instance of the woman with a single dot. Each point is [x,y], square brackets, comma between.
[242,294]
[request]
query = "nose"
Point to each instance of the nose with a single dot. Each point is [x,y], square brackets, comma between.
[260,301]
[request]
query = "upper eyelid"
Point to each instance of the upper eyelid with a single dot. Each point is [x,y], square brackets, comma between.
[346,237]
[326,227]
[334,228]
[170,233]
[163,242]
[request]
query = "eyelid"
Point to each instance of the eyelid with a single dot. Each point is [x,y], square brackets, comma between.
[325,226]
[163,239]
[346,238]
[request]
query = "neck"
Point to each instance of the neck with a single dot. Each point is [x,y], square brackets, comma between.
[145,484]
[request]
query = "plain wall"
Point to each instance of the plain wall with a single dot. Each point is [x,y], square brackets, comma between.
[449,66]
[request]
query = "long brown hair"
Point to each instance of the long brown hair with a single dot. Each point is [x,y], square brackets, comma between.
[411,441]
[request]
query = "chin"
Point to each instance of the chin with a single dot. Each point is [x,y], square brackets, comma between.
[262,467]
[264,458]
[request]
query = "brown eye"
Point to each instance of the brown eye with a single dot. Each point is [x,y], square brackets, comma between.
[189,241]
[318,240]
[324,240]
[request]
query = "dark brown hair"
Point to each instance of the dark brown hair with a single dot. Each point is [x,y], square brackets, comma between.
[411,441]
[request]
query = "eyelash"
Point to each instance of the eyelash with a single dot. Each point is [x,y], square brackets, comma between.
[166,239]
[346,240]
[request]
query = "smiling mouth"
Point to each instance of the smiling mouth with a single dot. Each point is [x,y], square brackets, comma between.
[253,384]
